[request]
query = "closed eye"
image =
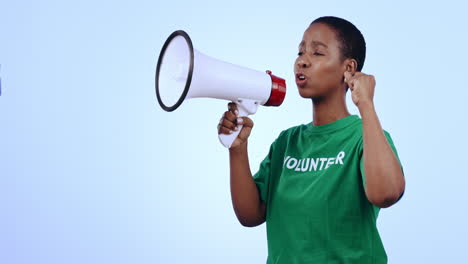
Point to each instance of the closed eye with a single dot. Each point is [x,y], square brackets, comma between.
[315,53]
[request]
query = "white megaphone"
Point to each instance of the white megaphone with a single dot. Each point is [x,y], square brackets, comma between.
[183,72]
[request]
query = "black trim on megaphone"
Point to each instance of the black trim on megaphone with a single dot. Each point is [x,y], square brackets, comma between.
[190,72]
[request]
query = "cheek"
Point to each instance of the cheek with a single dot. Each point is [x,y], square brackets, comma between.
[329,70]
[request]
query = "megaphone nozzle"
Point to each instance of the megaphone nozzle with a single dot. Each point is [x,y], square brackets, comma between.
[278,90]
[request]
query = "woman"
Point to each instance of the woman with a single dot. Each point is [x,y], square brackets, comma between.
[322,184]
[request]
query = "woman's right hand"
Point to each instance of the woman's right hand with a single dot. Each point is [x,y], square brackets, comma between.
[229,122]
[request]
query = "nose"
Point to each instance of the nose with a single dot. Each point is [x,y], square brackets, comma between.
[301,63]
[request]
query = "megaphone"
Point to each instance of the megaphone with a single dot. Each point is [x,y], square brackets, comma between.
[183,72]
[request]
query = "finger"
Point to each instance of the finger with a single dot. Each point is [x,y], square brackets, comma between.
[233,108]
[245,121]
[230,116]
[358,74]
[229,124]
[226,126]
[224,130]
[350,82]
[352,76]
[357,77]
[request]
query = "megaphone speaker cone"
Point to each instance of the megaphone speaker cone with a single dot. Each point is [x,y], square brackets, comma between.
[174,70]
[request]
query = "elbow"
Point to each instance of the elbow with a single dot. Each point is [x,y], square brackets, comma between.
[247,223]
[251,217]
[387,195]
[387,199]
[250,222]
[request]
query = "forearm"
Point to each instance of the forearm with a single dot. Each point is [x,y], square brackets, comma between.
[244,193]
[384,177]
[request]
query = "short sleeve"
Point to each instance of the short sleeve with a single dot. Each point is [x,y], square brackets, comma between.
[262,177]
[392,145]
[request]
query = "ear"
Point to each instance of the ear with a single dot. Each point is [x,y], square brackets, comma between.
[350,66]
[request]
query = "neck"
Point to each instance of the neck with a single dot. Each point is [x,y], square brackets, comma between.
[329,109]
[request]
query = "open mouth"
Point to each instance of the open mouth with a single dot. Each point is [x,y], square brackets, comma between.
[301,79]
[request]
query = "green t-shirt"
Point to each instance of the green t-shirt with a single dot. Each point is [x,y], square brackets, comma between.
[312,182]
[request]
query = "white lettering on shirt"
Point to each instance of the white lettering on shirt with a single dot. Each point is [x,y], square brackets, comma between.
[291,166]
[312,164]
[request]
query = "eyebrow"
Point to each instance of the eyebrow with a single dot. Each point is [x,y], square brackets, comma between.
[314,43]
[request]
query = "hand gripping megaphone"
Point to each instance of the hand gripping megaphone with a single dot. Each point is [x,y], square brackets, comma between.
[183,72]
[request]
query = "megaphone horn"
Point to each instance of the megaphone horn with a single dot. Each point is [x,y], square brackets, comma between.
[182,73]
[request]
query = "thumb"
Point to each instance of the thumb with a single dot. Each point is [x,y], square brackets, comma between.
[347,76]
[245,121]
[246,129]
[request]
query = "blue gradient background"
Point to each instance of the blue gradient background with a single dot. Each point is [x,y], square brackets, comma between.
[93,171]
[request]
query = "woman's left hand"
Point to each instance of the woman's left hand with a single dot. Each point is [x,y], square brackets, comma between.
[362,87]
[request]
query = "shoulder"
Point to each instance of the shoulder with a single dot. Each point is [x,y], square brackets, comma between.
[292,131]
[288,135]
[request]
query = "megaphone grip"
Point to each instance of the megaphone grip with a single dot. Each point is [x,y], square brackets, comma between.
[227,140]
[245,108]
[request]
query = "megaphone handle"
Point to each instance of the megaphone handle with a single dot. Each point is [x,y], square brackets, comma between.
[245,108]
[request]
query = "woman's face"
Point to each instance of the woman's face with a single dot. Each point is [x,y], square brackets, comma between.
[319,67]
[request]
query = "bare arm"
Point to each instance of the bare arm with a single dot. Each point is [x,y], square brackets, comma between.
[384,178]
[385,181]
[249,209]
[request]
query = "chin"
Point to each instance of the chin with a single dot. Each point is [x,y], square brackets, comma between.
[309,93]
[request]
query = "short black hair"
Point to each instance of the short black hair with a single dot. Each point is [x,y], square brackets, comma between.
[351,40]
